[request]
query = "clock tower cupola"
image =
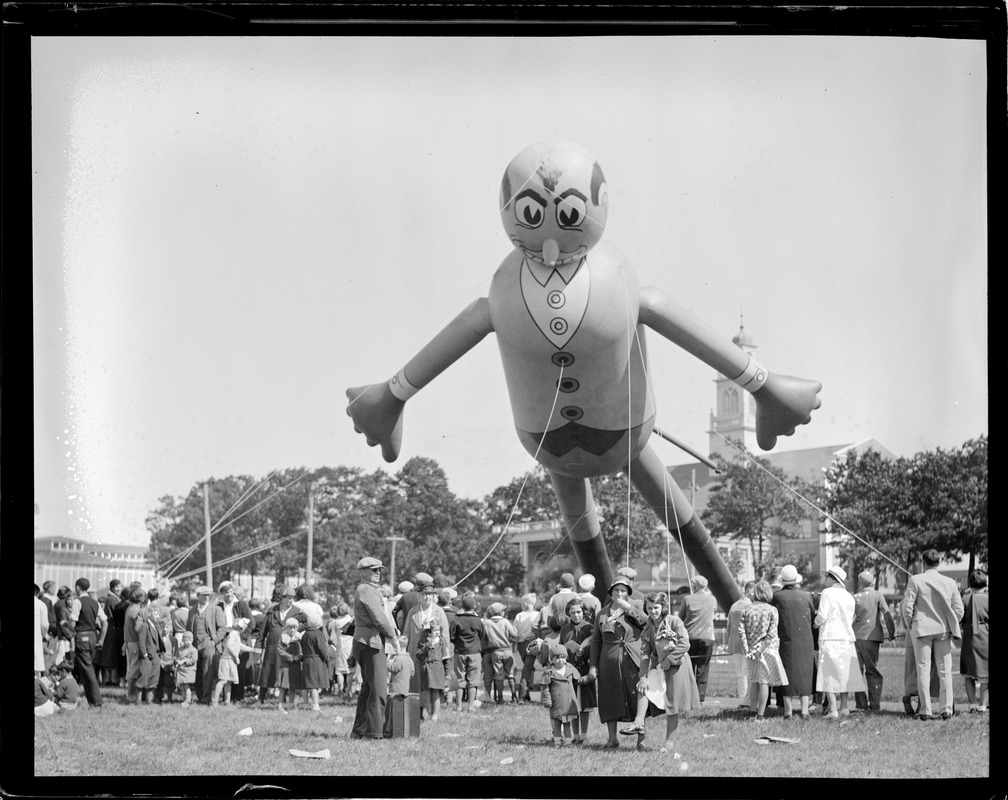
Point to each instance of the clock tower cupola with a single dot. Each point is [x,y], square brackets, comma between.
[734,414]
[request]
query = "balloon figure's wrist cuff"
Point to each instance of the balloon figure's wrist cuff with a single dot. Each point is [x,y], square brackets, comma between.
[753,377]
[401,387]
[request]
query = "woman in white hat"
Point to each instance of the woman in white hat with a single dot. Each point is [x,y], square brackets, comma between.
[838,672]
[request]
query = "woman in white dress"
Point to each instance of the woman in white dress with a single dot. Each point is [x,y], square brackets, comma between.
[838,672]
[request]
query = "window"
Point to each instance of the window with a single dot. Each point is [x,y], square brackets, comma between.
[730,402]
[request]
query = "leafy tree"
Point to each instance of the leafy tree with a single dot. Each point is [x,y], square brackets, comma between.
[872,497]
[950,499]
[348,524]
[753,500]
[937,499]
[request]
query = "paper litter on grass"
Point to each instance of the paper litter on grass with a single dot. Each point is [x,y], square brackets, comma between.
[245,732]
[507,760]
[449,734]
[775,740]
[306,754]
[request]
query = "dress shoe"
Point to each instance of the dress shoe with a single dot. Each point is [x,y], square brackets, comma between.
[925,717]
[946,715]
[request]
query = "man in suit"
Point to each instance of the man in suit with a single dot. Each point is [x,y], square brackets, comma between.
[871,611]
[373,627]
[206,675]
[932,611]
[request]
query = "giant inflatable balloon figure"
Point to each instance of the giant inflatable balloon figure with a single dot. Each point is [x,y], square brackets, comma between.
[570,317]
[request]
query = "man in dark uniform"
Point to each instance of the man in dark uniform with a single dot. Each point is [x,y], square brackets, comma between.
[89,626]
[870,611]
[373,626]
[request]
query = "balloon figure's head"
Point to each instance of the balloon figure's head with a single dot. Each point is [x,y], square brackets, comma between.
[554,202]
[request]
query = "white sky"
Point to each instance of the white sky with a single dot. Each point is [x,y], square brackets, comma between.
[230,232]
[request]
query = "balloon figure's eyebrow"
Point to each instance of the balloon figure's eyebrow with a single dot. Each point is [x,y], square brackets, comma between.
[531,193]
[568,193]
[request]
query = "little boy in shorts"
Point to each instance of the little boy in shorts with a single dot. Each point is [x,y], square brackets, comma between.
[466,632]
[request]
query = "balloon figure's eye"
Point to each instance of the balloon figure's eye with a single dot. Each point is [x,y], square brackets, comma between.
[571,211]
[529,211]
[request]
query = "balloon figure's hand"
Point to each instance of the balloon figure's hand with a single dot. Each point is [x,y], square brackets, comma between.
[377,413]
[782,403]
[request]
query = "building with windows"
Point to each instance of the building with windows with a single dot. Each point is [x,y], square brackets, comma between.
[63,560]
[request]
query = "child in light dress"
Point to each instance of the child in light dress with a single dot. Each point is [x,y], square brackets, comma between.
[342,645]
[290,658]
[400,672]
[184,664]
[559,692]
[227,674]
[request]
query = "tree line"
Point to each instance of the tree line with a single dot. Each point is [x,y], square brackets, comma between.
[901,506]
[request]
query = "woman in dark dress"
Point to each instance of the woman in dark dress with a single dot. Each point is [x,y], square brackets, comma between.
[269,673]
[975,643]
[795,611]
[111,650]
[615,657]
[119,622]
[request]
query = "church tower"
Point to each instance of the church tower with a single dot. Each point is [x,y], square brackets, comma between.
[735,410]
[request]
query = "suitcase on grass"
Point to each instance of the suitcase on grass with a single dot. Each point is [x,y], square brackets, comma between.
[405,716]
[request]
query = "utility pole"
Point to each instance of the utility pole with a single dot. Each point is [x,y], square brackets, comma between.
[311,523]
[393,539]
[206,518]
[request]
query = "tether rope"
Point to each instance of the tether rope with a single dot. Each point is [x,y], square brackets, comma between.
[514,508]
[168,564]
[804,499]
[213,531]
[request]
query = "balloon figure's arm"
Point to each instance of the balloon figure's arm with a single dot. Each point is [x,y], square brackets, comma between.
[377,409]
[782,401]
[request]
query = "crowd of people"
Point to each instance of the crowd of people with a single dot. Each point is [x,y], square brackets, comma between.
[622,658]
[806,646]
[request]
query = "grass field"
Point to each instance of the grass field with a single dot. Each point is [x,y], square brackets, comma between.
[717,741]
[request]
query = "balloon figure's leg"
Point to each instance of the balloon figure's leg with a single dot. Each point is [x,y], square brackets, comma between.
[650,477]
[577,509]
